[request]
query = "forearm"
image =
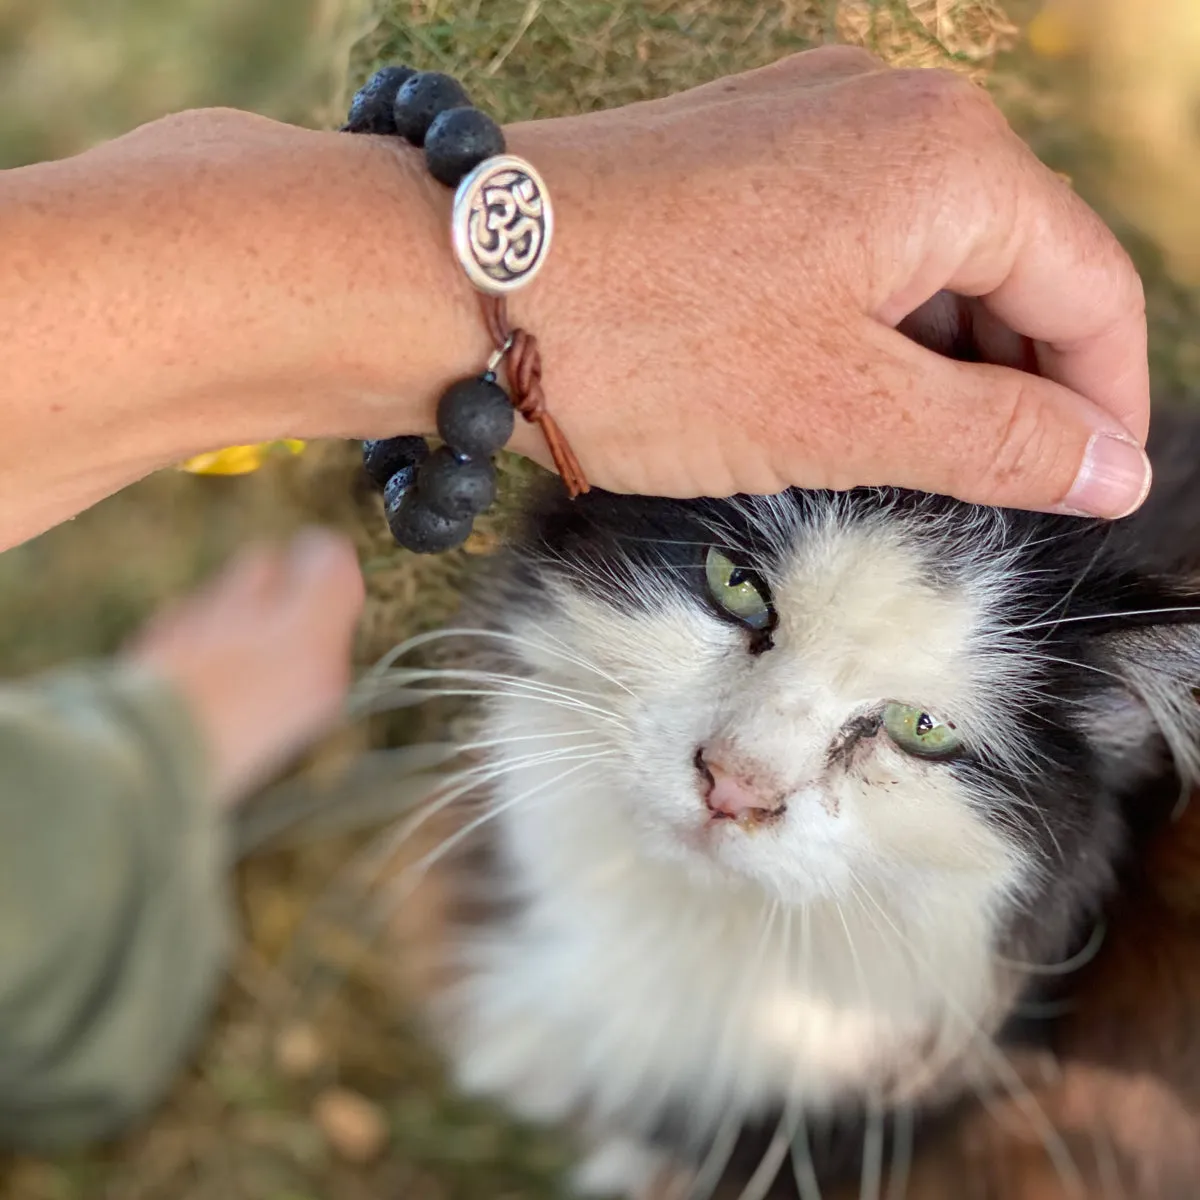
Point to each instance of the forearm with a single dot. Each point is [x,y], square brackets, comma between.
[186,287]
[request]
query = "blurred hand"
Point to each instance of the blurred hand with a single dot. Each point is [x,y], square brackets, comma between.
[747,278]
[262,654]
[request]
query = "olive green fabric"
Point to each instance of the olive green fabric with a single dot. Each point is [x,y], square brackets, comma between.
[113,906]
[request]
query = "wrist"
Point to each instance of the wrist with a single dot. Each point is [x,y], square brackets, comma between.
[382,319]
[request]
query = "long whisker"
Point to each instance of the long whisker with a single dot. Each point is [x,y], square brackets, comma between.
[460,784]
[790,1140]
[420,695]
[1083,618]
[1056,1148]
[490,743]
[902,1148]
[356,879]
[421,674]
[773,1158]
[505,684]
[406,882]
[803,1168]
[871,1174]
[1097,554]
[434,635]
[721,1149]
[1069,965]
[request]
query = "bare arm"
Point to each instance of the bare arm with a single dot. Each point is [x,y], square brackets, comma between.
[213,278]
[719,313]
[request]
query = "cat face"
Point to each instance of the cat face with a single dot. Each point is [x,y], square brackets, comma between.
[871,697]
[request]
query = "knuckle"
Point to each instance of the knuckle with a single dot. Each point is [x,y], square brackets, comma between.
[847,58]
[948,102]
[1029,447]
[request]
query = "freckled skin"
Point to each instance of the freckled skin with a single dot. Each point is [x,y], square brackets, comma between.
[214,278]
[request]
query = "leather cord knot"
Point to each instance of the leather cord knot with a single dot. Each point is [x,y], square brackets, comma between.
[524,371]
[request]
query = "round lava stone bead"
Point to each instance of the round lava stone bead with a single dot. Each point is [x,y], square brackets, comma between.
[457,141]
[372,109]
[398,487]
[422,98]
[475,416]
[456,486]
[423,531]
[384,457]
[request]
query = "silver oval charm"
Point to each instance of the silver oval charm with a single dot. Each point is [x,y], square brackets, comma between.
[502,224]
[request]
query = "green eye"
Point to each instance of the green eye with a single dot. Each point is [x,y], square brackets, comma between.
[739,591]
[917,732]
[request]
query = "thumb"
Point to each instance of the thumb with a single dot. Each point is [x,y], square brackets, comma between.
[991,435]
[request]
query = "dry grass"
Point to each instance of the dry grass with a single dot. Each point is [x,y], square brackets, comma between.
[240,1123]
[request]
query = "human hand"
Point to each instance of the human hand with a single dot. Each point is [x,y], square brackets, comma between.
[262,654]
[721,309]
[725,308]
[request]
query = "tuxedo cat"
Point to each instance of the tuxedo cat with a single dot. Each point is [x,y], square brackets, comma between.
[791,824]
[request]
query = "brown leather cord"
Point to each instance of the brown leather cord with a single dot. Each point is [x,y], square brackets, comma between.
[524,371]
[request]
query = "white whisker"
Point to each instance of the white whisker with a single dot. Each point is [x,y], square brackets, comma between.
[1106,616]
[1067,966]
[407,880]
[1056,1148]
[902,1148]
[423,639]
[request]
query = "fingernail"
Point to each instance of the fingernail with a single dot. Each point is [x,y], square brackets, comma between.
[316,550]
[1113,480]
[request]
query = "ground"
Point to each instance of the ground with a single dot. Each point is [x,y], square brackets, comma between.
[259,1113]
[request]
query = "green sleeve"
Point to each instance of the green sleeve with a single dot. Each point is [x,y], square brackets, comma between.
[113,908]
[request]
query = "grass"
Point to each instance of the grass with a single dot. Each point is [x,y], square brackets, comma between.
[240,1122]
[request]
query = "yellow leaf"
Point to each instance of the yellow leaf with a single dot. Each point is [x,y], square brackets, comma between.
[1055,32]
[238,460]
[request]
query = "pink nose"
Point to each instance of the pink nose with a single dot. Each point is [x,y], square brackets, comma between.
[738,792]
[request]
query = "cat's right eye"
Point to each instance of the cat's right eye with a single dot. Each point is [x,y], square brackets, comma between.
[919,733]
[739,591]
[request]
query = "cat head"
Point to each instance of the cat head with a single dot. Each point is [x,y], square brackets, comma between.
[816,693]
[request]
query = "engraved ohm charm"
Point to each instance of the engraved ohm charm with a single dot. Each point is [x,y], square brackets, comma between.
[502,224]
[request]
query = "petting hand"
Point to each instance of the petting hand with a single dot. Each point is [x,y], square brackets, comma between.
[733,264]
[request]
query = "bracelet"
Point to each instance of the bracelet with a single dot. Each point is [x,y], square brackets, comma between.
[501,228]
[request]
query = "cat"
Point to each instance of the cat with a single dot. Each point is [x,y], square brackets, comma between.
[795,820]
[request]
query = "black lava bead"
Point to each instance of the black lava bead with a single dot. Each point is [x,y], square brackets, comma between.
[373,108]
[386,456]
[398,487]
[475,416]
[456,486]
[457,141]
[422,98]
[418,528]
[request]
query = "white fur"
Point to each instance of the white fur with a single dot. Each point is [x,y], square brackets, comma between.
[658,955]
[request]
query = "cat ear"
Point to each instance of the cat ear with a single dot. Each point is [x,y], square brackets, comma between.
[1159,668]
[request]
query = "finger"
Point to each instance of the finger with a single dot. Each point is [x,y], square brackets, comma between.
[1047,267]
[1065,281]
[982,433]
[323,574]
[256,575]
